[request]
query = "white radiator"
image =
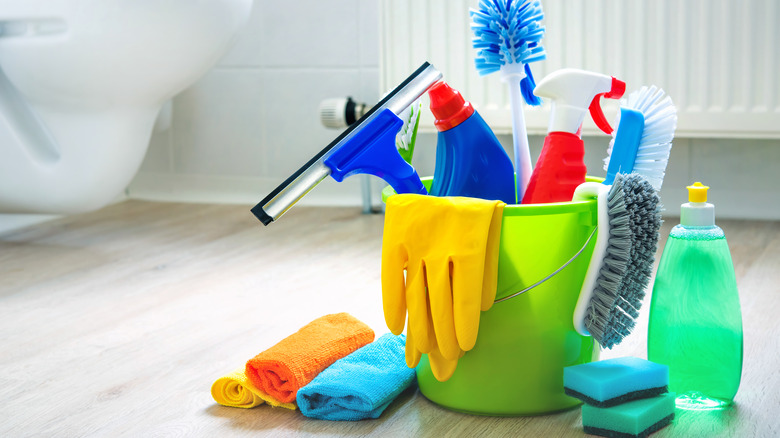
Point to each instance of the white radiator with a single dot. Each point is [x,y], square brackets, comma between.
[718,59]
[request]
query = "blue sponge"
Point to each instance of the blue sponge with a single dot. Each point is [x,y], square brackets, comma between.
[610,382]
[635,419]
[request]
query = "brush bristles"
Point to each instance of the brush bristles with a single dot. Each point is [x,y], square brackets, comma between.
[656,142]
[409,116]
[635,220]
[507,32]
[644,207]
[613,268]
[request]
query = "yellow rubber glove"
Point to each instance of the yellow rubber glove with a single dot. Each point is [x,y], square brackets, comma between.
[448,247]
[441,367]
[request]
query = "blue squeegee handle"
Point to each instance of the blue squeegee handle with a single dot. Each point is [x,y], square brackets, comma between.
[627,139]
[372,151]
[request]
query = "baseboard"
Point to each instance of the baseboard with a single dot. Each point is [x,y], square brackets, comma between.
[730,204]
[166,187]
[10,223]
[235,190]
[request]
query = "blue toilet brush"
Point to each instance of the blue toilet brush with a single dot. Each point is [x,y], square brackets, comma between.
[507,37]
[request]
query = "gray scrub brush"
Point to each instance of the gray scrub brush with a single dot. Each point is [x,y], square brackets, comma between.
[629,220]
[644,212]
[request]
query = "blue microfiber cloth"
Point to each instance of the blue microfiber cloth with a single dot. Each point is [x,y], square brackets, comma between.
[360,385]
[610,382]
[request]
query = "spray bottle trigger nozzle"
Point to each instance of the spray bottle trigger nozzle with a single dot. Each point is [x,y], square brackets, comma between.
[615,92]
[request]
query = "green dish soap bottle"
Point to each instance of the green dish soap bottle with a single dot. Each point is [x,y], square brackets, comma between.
[695,317]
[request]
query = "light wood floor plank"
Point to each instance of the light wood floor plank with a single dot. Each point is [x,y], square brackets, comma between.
[116,323]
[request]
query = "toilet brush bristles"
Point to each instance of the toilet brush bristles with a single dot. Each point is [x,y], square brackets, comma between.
[507,36]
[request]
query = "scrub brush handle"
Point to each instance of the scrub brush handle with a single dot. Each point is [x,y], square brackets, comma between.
[522,153]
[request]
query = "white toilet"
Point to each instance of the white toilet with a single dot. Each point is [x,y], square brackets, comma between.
[81,84]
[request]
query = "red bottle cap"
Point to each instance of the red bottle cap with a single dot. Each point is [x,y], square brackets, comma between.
[448,106]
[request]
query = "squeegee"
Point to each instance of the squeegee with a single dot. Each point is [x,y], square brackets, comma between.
[367,146]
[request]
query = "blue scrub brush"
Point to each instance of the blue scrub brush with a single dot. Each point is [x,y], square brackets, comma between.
[643,140]
[507,37]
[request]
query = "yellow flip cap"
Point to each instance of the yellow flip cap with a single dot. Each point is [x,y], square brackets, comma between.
[697,192]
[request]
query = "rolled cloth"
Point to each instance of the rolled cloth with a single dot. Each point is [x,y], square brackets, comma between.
[289,365]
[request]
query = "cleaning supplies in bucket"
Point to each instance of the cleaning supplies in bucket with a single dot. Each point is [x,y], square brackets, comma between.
[448,248]
[469,159]
[524,341]
[695,318]
[560,167]
[507,36]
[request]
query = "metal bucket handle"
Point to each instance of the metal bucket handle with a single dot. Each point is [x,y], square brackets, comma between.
[568,262]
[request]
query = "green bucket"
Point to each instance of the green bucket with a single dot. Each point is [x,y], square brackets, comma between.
[524,342]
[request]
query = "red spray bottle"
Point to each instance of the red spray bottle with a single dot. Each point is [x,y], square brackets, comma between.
[560,167]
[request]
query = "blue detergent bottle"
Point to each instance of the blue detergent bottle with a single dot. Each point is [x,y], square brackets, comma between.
[469,159]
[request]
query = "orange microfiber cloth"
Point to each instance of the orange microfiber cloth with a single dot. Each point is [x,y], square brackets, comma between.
[289,365]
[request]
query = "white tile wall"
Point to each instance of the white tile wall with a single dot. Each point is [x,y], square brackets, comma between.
[252,120]
[218,124]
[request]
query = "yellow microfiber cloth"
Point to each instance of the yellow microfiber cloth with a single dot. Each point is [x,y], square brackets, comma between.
[289,365]
[448,247]
[235,390]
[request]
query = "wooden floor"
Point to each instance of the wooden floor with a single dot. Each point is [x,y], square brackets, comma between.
[115,323]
